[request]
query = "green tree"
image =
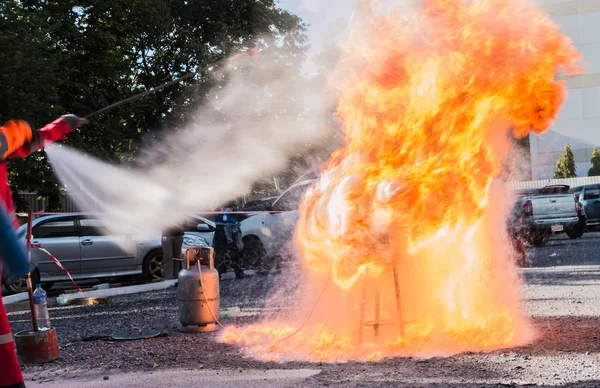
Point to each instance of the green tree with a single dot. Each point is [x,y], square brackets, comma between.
[595,169]
[565,167]
[76,56]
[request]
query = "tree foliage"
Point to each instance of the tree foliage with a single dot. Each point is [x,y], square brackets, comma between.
[76,56]
[595,169]
[565,167]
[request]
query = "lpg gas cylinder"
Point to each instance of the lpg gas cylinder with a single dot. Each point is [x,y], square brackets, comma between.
[198,291]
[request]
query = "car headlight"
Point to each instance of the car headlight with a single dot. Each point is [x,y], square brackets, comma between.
[195,241]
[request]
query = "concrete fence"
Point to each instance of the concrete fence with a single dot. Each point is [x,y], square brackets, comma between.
[573,182]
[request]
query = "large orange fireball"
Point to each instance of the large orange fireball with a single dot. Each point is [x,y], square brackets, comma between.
[406,225]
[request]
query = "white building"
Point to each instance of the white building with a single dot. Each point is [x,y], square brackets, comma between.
[579,121]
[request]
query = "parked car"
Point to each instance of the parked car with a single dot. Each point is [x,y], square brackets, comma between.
[201,227]
[266,234]
[87,250]
[589,196]
[537,215]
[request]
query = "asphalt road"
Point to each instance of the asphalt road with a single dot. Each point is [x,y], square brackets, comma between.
[561,250]
[561,294]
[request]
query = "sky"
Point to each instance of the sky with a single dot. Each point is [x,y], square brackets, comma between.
[327,20]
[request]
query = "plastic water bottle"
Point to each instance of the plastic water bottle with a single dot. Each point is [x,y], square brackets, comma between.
[41,308]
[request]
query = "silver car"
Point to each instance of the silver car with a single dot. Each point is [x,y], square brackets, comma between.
[86,249]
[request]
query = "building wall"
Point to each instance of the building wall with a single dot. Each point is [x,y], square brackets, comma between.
[579,120]
[544,164]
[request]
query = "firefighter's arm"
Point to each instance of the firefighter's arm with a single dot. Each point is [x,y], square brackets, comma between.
[13,136]
[55,131]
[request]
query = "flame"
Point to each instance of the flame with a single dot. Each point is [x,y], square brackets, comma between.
[406,219]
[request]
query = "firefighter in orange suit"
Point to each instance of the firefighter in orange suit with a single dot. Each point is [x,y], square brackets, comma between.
[19,139]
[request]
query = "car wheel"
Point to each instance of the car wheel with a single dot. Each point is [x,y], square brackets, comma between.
[574,233]
[539,240]
[253,254]
[153,266]
[222,262]
[21,284]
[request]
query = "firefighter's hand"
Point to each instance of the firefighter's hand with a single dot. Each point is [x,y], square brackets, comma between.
[74,121]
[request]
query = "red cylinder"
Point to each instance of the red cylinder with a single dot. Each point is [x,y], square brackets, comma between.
[36,347]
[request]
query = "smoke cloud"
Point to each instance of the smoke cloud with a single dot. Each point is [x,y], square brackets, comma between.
[259,113]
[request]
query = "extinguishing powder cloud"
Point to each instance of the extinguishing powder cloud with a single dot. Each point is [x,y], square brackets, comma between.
[259,113]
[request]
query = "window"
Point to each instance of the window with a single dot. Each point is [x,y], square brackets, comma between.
[90,227]
[291,200]
[55,229]
[555,189]
[593,193]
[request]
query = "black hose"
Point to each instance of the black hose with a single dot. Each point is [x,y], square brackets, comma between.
[156,89]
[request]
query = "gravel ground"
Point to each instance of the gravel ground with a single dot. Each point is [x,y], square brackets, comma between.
[562,292]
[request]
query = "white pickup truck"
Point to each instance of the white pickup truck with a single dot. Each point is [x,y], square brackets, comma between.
[538,214]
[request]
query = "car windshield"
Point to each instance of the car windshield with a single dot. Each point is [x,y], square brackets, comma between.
[558,189]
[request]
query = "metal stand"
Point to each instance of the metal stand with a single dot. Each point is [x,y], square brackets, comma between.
[363,300]
[398,300]
[378,322]
[28,279]
[35,346]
